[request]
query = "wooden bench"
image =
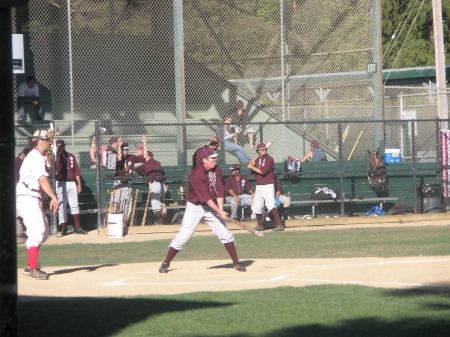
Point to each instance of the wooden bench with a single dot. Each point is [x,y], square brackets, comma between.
[314,203]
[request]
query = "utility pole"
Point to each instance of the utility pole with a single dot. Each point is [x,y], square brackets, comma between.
[439,56]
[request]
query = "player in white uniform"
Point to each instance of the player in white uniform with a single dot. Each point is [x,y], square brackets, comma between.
[29,200]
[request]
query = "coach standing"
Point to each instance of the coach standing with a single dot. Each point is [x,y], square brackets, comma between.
[68,186]
[263,171]
[204,201]
[29,191]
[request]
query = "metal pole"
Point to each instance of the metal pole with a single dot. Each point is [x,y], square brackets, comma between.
[179,72]
[282,67]
[378,90]
[69,28]
[439,55]
[98,176]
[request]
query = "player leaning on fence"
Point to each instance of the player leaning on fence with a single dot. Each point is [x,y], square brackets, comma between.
[29,202]
[204,201]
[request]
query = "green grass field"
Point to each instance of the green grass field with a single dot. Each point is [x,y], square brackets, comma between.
[325,310]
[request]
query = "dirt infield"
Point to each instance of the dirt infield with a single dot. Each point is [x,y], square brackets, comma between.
[192,276]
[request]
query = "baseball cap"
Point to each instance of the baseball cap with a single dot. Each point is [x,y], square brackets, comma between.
[60,142]
[235,167]
[125,146]
[261,146]
[150,153]
[206,152]
[139,147]
[113,140]
[40,134]
[31,78]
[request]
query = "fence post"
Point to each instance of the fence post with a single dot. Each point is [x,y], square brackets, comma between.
[98,177]
[341,173]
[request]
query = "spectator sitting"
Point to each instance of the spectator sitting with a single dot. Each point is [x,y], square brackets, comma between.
[315,154]
[226,135]
[240,120]
[28,95]
[238,190]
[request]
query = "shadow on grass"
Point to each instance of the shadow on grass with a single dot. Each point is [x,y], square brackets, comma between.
[96,317]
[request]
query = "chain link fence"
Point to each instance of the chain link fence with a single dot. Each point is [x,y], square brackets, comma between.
[175,71]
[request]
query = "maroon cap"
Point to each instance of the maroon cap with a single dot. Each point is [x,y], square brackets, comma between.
[150,153]
[235,167]
[315,143]
[113,140]
[60,142]
[261,146]
[206,152]
[125,146]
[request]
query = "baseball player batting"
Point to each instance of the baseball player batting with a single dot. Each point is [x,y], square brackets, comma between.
[263,171]
[29,198]
[204,201]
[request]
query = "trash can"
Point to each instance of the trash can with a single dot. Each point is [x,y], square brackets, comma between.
[431,198]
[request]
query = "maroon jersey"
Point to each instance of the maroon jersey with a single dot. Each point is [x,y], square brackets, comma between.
[205,185]
[239,184]
[152,171]
[267,167]
[66,167]
[125,167]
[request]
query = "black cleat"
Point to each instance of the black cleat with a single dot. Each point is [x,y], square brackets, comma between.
[38,274]
[239,266]
[164,268]
[278,229]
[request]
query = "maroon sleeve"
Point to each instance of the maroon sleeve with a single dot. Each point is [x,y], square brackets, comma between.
[247,185]
[228,184]
[141,169]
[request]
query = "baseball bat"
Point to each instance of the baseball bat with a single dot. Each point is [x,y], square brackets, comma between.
[251,230]
[146,209]
[134,208]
